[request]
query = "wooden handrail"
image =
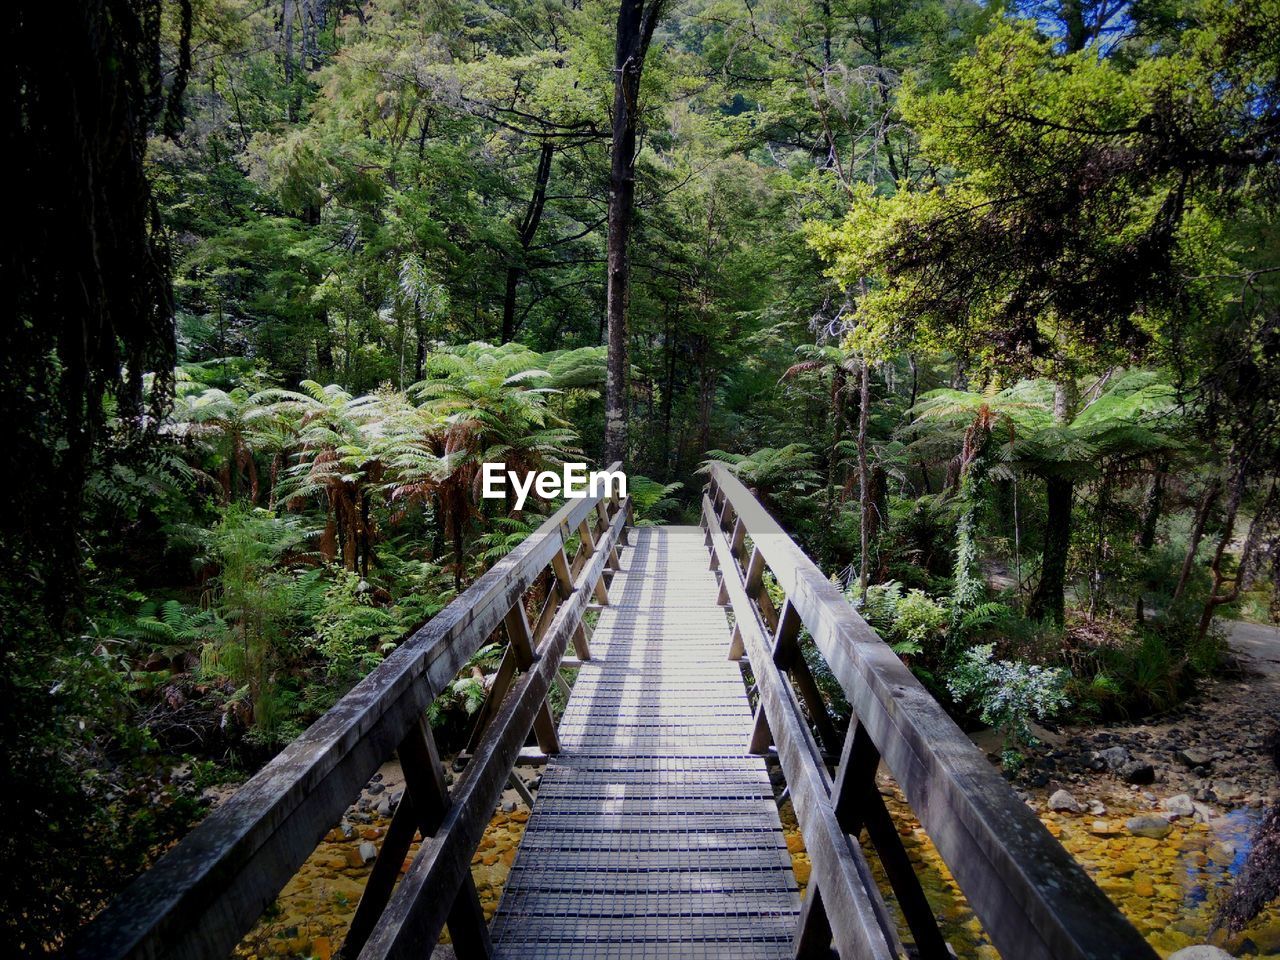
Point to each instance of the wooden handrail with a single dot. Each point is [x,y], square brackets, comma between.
[1031,896]
[202,896]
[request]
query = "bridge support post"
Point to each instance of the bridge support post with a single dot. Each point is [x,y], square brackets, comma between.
[858,805]
[564,585]
[813,932]
[788,657]
[422,808]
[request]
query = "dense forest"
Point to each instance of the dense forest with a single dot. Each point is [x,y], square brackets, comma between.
[983,304]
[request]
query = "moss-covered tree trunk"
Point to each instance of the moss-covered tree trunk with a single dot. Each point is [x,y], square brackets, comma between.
[1047,602]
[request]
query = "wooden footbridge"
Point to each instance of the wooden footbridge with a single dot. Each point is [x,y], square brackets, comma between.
[655,831]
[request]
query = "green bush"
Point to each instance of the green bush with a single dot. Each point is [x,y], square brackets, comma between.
[1008,695]
[920,620]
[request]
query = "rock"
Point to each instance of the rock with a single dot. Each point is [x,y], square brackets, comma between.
[1113,757]
[384,808]
[1157,828]
[1227,790]
[1064,801]
[376,788]
[1097,808]
[509,807]
[1200,952]
[1103,828]
[1179,806]
[347,830]
[1138,772]
[1204,814]
[368,852]
[1195,757]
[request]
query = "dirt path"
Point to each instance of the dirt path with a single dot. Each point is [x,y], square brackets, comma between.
[1258,644]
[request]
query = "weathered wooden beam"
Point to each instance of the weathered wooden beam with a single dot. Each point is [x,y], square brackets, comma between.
[813,932]
[613,563]
[518,785]
[599,588]
[858,804]
[856,923]
[424,783]
[520,639]
[1032,897]
[382,878]
[207,892]
[502,680]
[417,911]
[736,649]
[565,584]
[527,757]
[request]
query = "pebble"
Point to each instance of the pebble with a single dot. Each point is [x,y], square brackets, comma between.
[1137,771]
[1113,757]
[1227,790]
[1157,828]
[368,852]
[1194,757]
[1179,806]
[1062,800]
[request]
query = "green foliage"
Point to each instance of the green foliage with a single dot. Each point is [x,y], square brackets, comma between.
[1008,695]
[255,604]
[919,622]
[911,621]
[653,501]
[352,634]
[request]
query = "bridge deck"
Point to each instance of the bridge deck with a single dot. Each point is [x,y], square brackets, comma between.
[654,834]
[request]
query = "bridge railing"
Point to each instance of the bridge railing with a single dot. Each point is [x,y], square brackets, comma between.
[1033,900]
[205,894]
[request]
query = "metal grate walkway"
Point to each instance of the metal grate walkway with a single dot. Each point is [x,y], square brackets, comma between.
[654,835]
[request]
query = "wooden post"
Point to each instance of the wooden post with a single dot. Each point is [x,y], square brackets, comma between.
[382,878]
[517,626]
[783,652]
[424,782]
[602,512]
[564,582]
[813,932]
[858,804]
[589,542]
[736,646]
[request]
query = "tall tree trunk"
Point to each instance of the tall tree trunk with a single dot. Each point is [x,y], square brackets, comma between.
[1048,600]
[864,479]
[525,233]
[636,22]
[833,459]
[1217,596]
[1197,534]
[1146,537]
[670,455]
